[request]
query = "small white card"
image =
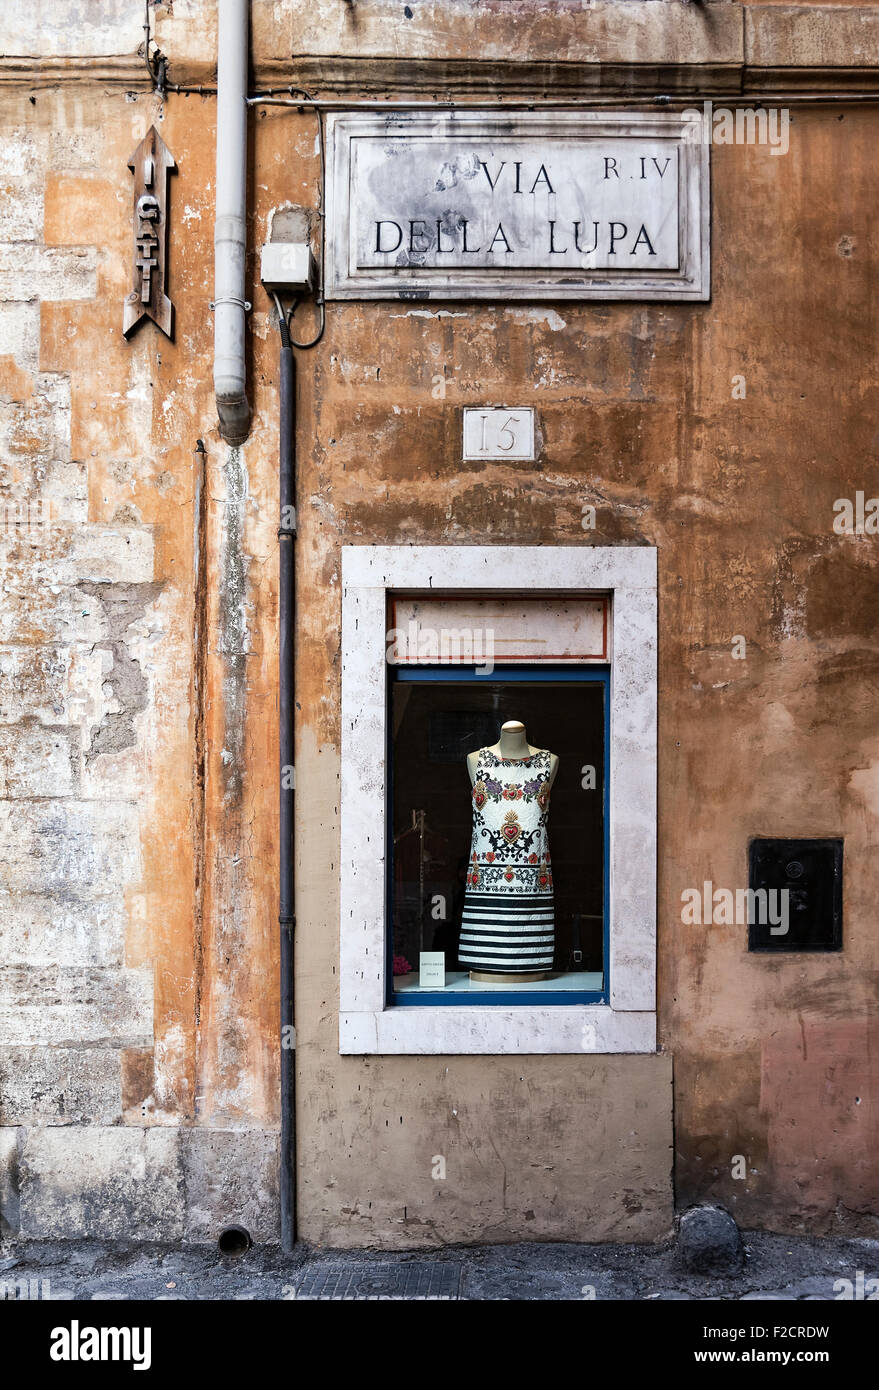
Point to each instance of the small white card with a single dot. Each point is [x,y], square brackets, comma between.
[432,968]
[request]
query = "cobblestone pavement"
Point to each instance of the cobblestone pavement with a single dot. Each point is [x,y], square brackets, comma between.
[778,1267]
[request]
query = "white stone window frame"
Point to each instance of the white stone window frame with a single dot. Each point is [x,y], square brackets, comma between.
[368,1024]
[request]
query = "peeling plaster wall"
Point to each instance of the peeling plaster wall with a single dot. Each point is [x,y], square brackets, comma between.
[133,1071]
[138,649]
[773,1059]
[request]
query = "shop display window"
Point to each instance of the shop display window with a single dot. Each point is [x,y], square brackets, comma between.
[530,652]
[502,883]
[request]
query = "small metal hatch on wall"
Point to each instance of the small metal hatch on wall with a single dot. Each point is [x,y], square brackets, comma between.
[803,878]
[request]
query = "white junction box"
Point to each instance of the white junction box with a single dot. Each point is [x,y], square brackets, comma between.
[287,267]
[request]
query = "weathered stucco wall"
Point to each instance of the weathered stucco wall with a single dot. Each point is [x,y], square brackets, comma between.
[639,410]
[138,667]
[130,929]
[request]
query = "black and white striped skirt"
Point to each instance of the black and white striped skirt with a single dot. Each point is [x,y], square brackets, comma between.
[507,933]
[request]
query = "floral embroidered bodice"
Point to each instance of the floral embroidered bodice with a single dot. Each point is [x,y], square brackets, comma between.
[509,851]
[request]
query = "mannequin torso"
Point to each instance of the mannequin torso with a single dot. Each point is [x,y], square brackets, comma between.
[513,746]
[534,779]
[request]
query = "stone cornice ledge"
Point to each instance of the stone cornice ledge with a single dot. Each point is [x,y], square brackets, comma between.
[811,49]
[613,49]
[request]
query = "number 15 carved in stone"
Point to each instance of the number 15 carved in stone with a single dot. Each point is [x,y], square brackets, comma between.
[150,164]
[499,434]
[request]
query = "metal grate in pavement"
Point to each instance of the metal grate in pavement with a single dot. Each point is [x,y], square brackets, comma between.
[424,1280]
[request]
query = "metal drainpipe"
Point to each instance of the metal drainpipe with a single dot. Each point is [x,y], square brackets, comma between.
[286,637]
[233,410]
[230,226]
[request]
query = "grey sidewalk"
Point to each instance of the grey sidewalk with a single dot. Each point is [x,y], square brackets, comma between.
[778,1267]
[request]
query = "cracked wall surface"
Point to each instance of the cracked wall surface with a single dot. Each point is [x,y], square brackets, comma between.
[114,998]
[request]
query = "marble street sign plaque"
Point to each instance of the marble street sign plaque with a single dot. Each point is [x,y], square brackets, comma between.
[549,205]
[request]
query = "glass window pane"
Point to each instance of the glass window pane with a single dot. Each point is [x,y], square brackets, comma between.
[434,725]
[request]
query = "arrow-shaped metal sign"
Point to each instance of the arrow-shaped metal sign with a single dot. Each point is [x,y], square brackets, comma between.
[150,164]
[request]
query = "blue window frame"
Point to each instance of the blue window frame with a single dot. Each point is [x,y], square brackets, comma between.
[451,676]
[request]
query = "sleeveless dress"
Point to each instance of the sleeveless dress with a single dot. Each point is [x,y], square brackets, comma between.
[508,923]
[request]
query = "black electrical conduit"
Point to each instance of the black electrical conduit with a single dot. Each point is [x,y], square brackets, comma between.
[286,638]
[286,700]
